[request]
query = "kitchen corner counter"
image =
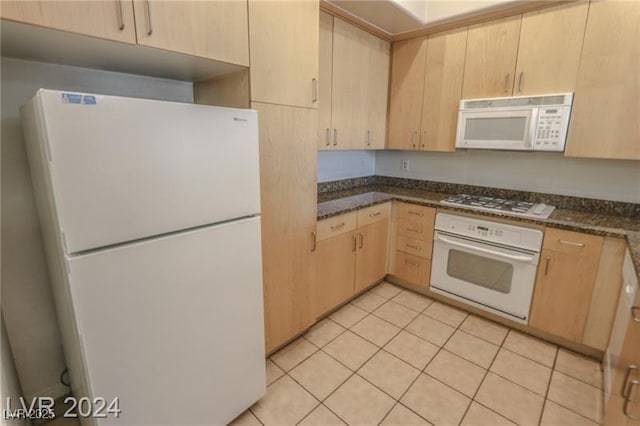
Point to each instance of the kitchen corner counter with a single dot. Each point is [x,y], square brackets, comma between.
[338,202]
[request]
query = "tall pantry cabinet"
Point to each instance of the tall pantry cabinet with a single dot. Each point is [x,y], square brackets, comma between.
[284,50]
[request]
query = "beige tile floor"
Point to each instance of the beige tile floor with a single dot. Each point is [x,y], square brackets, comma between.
[394,357]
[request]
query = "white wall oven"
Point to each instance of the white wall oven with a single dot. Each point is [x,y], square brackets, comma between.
[486,264]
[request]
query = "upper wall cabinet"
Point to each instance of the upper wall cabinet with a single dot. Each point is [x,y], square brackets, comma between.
[532,54]
[284,50]
[110,20]
[425,91]
[549,50]
[604,119]
[354,74]
[210,29]
[490,63]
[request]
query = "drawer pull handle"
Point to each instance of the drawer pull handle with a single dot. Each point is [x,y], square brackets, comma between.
[408,262]
[419,231]
[375,214]
[625,407]
[413,247]
[635,309]
[416,213]
[627,373]
[334,227]
[571,243]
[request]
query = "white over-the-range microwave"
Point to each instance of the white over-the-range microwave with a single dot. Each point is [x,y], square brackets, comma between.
[526,123]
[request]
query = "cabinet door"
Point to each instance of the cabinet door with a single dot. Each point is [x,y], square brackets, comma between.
[288,161]
[491,58]
[373,249]
[210,29]
[443,87]
[549,50]
[325,65]
[567,271]
[112,20]
[336,271]
[405,94]
[284,48]
[375,103]
[349,92]
[604,119]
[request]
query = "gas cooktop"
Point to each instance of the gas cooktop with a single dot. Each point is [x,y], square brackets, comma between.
[499,205]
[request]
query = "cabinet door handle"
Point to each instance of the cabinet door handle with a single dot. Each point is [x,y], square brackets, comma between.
[635,309]
[424,139]
[506,82]
[149,18]
[627,401]
[408,262]
[314,82]
[571,243]
[419,231]
[335,137]
[121,13]
[368,137]
[355,243]
[413,247]
[627,373]
[314,239]
[334,227]
[416,213]
[520,79]
[375,214]
[328,137]
[546,265]
[361,239]
[413,139]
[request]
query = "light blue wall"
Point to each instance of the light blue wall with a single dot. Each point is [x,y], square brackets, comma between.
[336,165]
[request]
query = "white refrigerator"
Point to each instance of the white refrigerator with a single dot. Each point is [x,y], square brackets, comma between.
[150,212]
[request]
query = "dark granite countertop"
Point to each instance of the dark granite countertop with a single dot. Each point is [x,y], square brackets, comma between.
[338,202]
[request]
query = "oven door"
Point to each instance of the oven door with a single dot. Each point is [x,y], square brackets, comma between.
[508,128]
[483,274]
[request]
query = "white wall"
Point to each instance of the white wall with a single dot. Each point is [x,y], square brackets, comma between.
[336,165]
[551,173]
[27,302]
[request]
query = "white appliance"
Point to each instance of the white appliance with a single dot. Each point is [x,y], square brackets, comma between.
[526,123]
[486,264]
[150,212]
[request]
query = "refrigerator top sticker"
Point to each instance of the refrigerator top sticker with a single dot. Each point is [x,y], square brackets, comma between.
[74,98]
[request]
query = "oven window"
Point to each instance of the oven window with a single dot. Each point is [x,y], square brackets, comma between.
[495,128]
[489,273]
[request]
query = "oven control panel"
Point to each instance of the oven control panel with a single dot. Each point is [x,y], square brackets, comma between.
[550,133]
[501,233]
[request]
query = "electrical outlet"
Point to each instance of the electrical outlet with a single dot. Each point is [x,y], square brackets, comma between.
[404,165]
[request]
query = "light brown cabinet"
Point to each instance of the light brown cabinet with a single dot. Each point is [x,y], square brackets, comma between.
[284,51]
[111,20]
[413,243]
[604,119]
[288,193]
[356,66]
[352,254]
[564,283]
[209,29]
[425,93]
[213,30]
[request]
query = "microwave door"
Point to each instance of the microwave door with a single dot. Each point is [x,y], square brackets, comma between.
[509,129]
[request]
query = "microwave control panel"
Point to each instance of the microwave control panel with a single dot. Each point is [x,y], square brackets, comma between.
[551,129]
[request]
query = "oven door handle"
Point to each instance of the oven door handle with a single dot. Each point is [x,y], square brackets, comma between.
[529,259]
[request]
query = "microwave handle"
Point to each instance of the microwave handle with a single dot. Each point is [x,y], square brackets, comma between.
[533,126]
[439,237]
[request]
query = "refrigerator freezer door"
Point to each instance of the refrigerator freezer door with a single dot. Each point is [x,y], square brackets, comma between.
[123,169]
[173,326]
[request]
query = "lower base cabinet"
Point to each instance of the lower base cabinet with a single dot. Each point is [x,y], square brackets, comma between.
[352,252]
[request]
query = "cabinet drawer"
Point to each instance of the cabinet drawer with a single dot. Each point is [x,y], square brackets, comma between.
[570,242]
[416,247]
[414,229]
[416,212]
[336,225]
[413,269]
[374,214]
